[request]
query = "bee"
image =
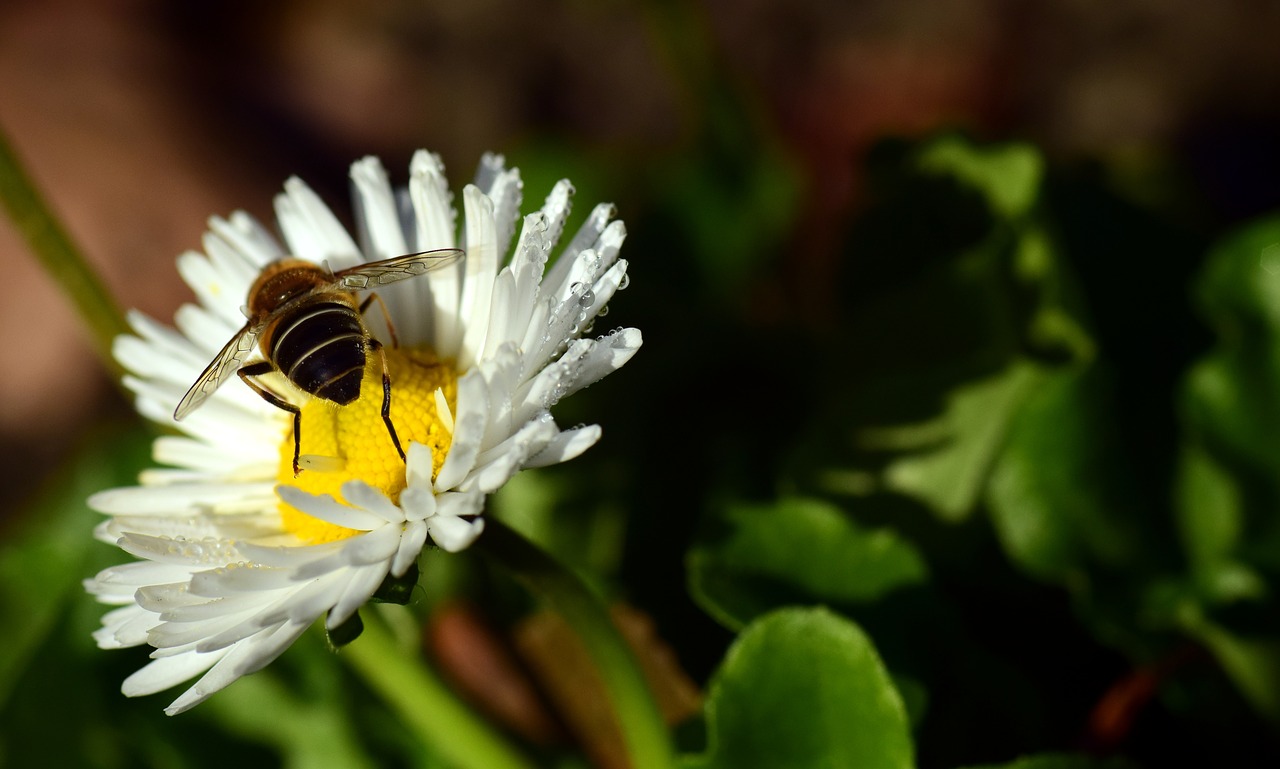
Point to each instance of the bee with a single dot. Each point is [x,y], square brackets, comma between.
[309,325]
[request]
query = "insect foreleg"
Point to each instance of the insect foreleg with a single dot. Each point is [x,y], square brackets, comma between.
[386,316]
[265,367]
[386,395]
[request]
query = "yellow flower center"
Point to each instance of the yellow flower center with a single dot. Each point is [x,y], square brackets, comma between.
[341,443]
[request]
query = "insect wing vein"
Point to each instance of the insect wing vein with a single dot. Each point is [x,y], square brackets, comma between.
[397,268]
[220,369]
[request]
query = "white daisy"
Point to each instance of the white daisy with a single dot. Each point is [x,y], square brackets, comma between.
[236,556]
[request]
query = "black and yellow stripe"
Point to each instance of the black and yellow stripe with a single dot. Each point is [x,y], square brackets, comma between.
[321,349]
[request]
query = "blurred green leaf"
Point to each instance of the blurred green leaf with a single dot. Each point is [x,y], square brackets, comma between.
[1227,495]
[796,551]
[1008,175]
[950,476]
[960,346]
[1230,499]
[1252,662]
[1060,495]
[804,688]
[1211,519]
[314,731]
[43,562]
[1209,507]
[62,704]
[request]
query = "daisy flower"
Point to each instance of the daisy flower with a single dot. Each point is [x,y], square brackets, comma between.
[237,555]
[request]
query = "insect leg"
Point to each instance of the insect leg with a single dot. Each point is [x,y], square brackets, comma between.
[265,367]
[386,395]
[391,327]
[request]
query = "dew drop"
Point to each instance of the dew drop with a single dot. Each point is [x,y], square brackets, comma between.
[603,311]
[626,281]
[586,298]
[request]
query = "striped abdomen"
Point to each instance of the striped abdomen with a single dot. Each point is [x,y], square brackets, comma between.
[320,347]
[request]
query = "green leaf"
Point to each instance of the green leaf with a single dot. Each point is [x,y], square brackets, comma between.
[1211,518]
[949,476]
[804,688]
[1008,175]
[1227,493]
[54,547]
[314,732]
[1210,513]
[1229,497]
[1252,662]
[1059,494]
[1232,396]
[796,551]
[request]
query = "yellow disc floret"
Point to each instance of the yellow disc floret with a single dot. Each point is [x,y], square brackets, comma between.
[341,443]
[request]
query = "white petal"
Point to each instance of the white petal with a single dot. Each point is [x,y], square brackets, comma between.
[328,509]
[460,503]
[377,219]
[481,269]
[504,187]
[372,547]
[495,466]
[358,591]
[174,352]
[434,228]
[469,425]
[311,229]
[418,467]
[366,497]
[240,660]
[168,500]
[411,543]
[240,578]
[124,627]
[237,269]
[567,445]
[418,502]
[216,291]
[587,237]
[604,357]
[164,673]
[605,287]
[502,311]
[454,534]
[247,237]
[252,462]
[556,209]
[432,202]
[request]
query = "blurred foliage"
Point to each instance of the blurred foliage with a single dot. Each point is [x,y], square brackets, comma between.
[1014,503]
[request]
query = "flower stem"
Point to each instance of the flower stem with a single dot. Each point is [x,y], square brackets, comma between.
[58,255]
[425,703]
[648,743]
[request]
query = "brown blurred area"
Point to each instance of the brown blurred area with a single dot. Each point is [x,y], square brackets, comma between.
[140,118]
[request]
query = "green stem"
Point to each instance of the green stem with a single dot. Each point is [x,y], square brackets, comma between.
[58,255]
[425,703]
[647,740]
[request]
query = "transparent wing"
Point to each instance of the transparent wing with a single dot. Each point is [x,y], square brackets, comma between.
[228,361]
[375,274]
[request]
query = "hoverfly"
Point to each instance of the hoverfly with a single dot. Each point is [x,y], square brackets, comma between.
[309,326]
